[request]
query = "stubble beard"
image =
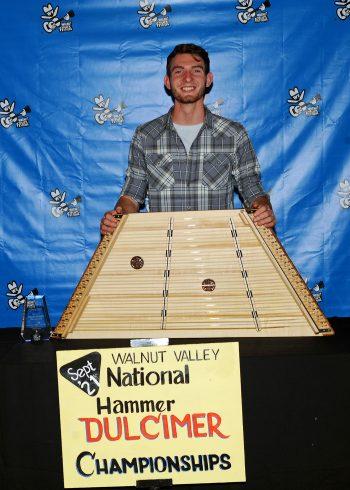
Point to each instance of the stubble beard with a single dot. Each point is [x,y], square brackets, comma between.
[188,98]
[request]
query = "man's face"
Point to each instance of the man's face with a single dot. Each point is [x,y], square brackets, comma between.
[187,81]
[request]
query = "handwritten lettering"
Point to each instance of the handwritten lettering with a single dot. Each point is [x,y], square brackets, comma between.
[193,425]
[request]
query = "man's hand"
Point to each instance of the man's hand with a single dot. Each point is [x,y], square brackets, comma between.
[263,216]
[109,222]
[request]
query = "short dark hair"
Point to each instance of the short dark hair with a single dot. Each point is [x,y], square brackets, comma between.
[189,49]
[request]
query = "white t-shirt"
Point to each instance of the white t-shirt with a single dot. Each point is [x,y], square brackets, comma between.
[188,133]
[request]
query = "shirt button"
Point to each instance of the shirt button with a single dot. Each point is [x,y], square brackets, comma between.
[189,207]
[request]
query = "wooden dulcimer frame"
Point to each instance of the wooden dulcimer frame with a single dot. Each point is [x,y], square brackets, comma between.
[191,274]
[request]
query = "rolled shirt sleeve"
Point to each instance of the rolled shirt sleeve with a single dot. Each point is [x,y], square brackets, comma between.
[246,170]
[136,182]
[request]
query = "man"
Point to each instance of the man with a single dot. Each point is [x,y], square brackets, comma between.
[190,159]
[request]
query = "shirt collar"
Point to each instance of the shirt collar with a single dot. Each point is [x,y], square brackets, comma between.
[208,119]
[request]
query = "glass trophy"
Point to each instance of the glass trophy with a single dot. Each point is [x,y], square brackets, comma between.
[36,325]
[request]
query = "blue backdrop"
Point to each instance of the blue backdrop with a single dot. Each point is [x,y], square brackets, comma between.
[78,77]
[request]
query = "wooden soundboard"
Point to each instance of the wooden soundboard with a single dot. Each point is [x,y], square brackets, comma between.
[191,274]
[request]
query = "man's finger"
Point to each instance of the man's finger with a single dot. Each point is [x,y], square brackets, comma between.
[105,229]
[268,221]
[261,214]
[118,212]
[110,221]
[260,209]
[264,216]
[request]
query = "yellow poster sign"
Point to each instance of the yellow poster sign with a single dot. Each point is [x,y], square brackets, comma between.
[150,413]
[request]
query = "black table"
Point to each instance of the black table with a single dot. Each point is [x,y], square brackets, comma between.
[296,408]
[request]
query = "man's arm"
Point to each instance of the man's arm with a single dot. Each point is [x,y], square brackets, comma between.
[134,188]
[110,221]
[247,176]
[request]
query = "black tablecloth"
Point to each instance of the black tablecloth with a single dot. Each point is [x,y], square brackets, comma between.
[296,408]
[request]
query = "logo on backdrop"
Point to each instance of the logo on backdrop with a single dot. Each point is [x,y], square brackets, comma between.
[52,21]
[150,14]
[16,298]
[104,113]
[299,106]
[61,207]
[84,373]
[344,194]
[215,107]
[343,10]
[247,12]
[10,116]
[316,289]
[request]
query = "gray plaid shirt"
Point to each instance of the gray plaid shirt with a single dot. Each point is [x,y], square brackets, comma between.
[221,158]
